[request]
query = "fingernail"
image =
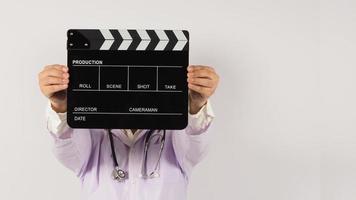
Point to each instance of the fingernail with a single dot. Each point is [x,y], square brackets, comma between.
[65,69]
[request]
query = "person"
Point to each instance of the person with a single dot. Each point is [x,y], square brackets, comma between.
[87,151]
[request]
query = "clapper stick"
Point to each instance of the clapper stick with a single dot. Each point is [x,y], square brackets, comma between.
[127,79]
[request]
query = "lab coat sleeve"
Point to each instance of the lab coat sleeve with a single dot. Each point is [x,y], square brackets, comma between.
[191,145]
[72,147]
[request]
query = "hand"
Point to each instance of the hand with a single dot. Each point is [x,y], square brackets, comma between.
[53,81]
[202,82]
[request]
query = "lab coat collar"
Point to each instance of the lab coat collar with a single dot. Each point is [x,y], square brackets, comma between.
[120,133]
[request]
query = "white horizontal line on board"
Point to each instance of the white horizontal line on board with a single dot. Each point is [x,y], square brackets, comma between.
[126,66]
[123,113]
[91,90]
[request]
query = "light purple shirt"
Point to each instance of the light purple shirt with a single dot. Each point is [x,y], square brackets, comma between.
[87,153]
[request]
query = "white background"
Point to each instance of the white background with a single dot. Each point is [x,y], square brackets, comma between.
[285,126]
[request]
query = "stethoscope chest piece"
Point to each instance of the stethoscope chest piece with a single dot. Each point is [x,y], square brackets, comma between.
[154,174]
[119,174]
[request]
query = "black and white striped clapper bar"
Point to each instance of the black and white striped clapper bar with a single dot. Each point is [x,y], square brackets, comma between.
[127,79]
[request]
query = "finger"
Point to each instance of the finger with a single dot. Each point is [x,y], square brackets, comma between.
[205,82]
[54,88]
[201,74]
[53,72]
[54,80]
[199,67]
[48,68]
[59,67]
[200,89]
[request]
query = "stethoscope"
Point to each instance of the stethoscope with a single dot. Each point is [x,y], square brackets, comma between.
[120,175]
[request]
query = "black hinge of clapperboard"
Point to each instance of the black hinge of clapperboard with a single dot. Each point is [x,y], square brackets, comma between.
[92,39]
[84,39]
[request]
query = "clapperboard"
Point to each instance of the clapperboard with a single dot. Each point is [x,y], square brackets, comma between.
[127,79]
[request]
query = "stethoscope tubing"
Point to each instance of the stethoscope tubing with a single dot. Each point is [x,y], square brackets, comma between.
[120,174]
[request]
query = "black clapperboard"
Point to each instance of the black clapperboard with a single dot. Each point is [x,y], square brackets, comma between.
[127,79]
